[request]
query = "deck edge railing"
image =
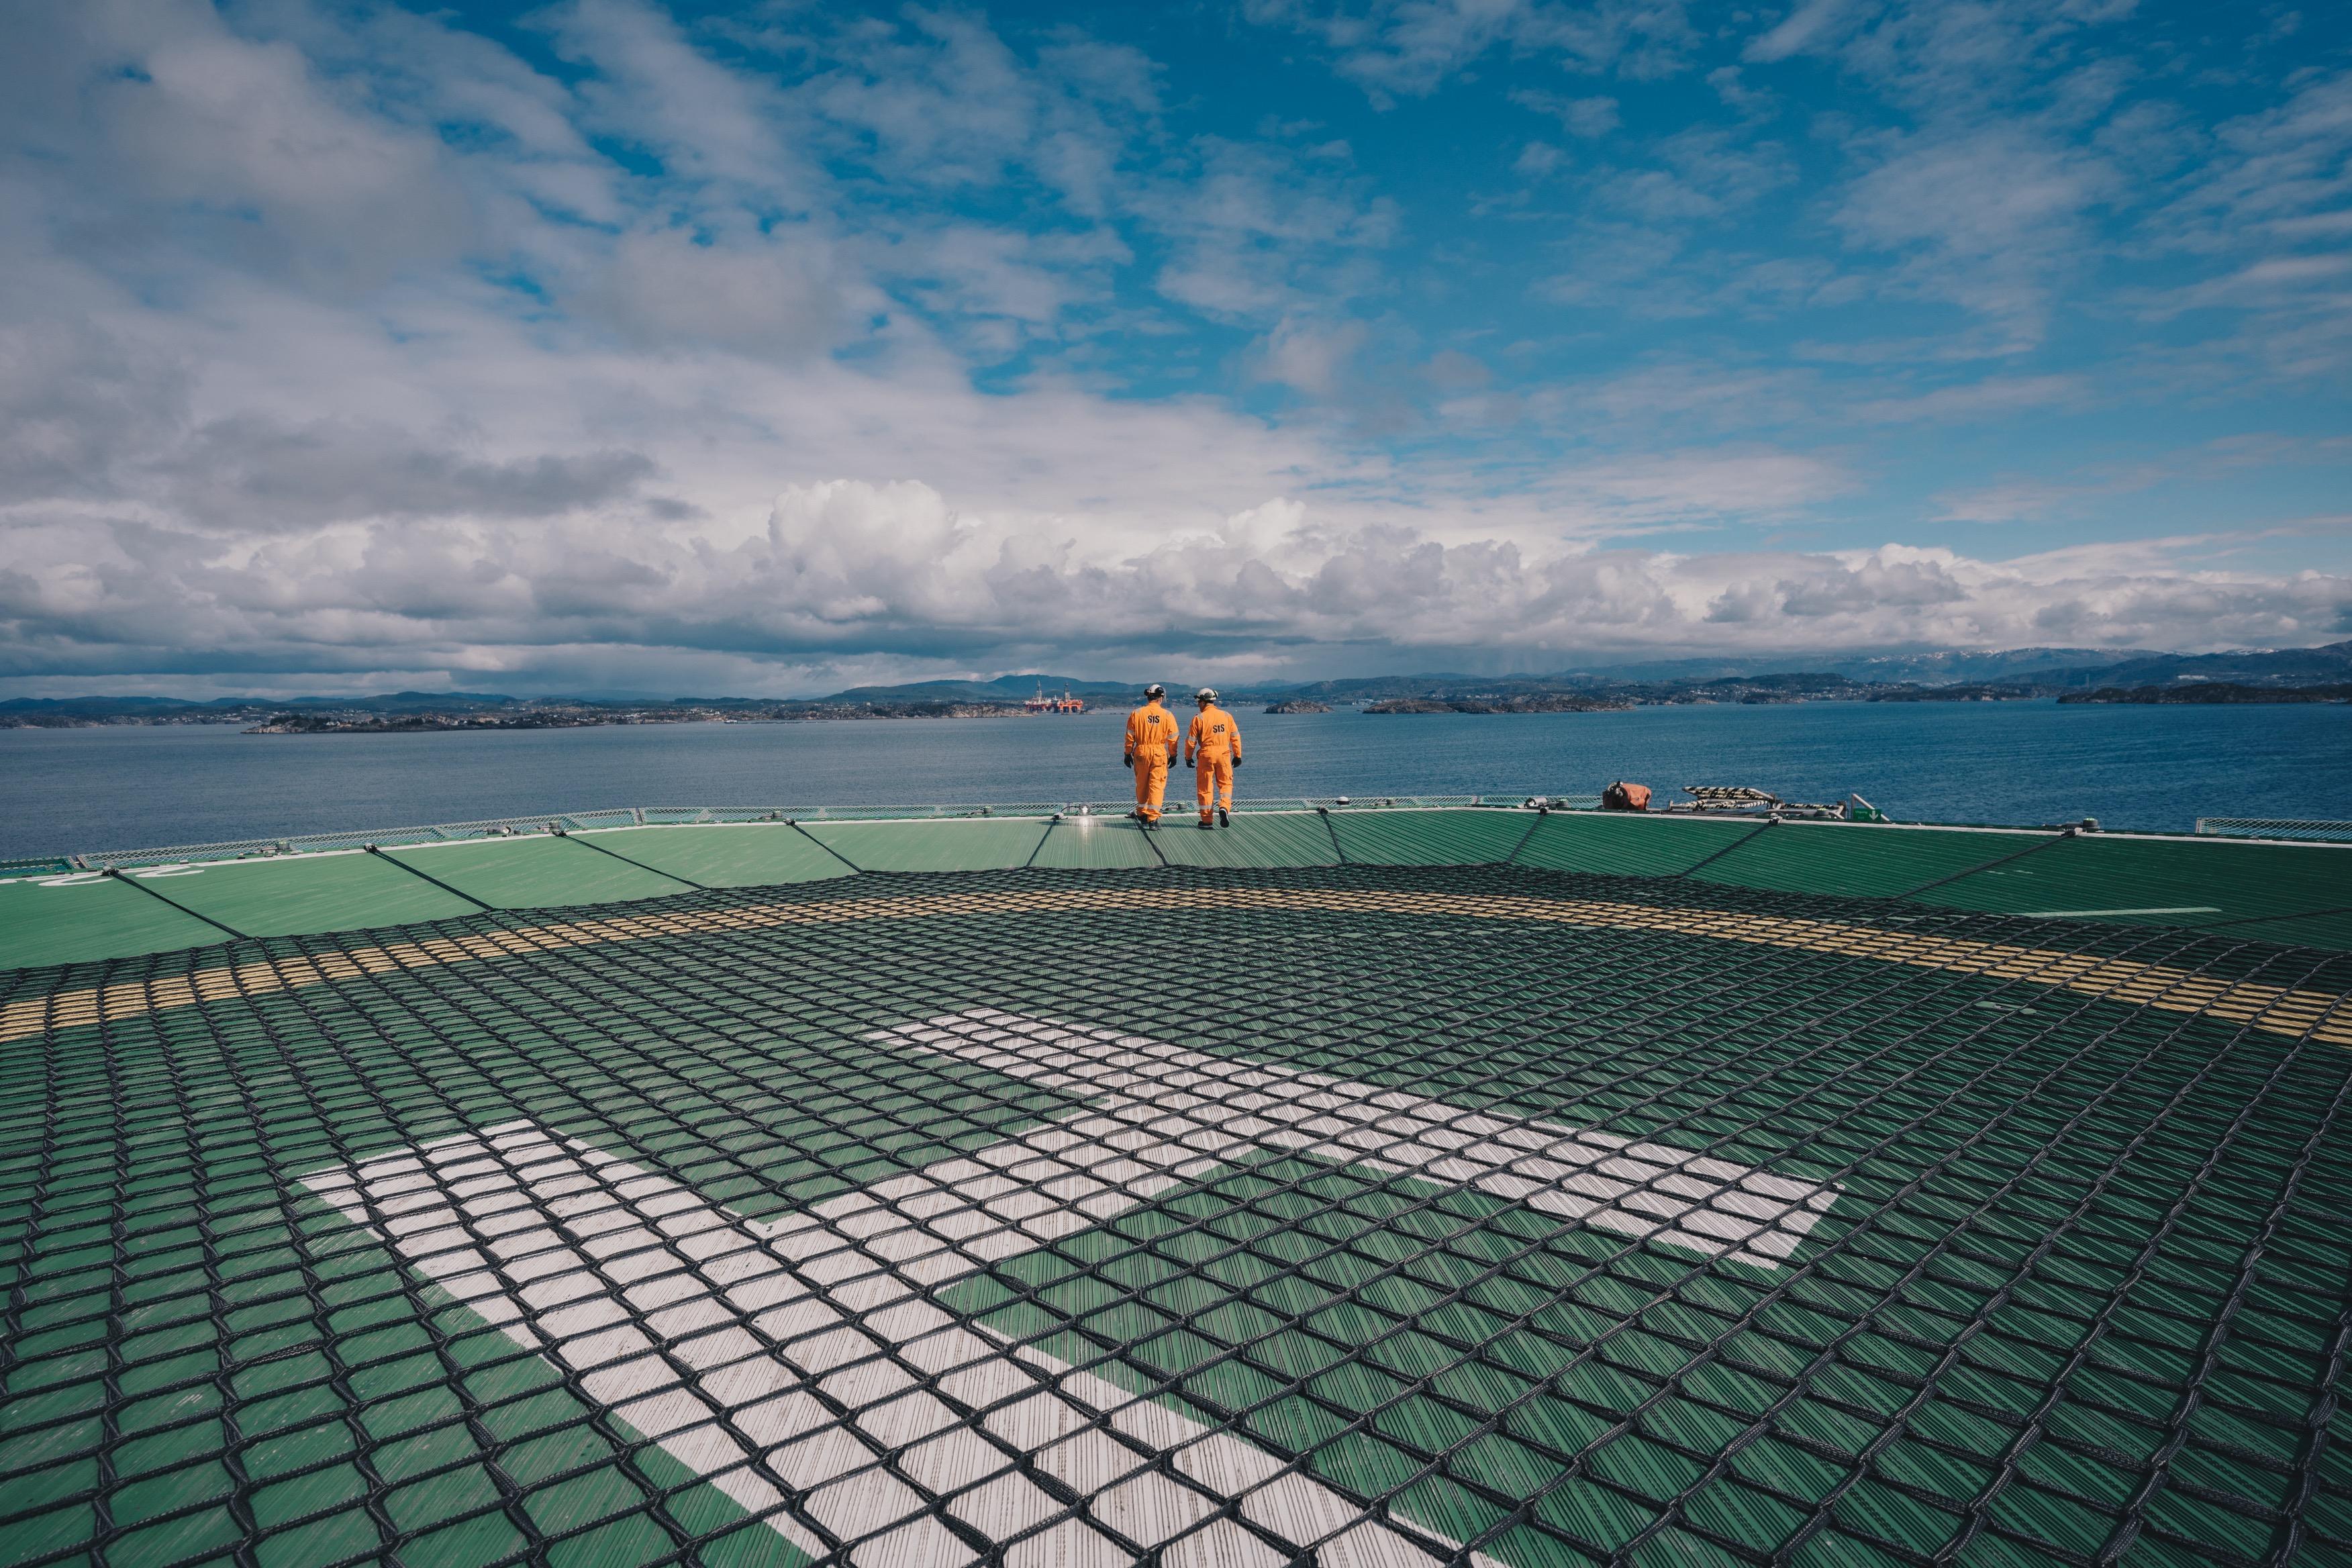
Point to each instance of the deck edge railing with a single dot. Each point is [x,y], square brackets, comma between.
[649,815]
[2279,829]
[2286,828]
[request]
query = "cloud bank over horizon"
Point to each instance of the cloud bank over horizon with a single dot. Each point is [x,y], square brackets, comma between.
[774,349]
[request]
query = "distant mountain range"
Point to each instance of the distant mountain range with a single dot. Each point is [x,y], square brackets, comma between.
[387,702]
[1947,667]
[2059,667]
[2038,669]
[2250,666]
[2015,672]
[1003,689]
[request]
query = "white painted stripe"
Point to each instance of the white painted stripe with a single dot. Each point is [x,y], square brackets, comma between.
[781,1359]
[2084,914]
[1180,1110]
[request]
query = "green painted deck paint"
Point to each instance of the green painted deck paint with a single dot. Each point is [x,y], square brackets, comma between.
[1438,838]
[303,894]
[1255,838]
[970,844]
[1628,846]
[2329,931]
[743,855]
[86,916]
[537,873]
[2214,880]
[1856,860]
[1101,843]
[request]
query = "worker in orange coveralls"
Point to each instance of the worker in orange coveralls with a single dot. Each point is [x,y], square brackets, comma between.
[1151,747]
[1214,746]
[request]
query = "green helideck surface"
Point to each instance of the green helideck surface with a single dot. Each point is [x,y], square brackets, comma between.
[306,893]
[2329,931]
[2293,894]
[746,855]
[1864,860]
[2200,882]
[1101,843]
[74,919]
[2079,1294]
[537,873]
[1627,845]
[1434,837]
[1255,838]
[967,844]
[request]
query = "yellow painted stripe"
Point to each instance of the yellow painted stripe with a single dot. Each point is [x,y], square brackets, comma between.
[2274,1009]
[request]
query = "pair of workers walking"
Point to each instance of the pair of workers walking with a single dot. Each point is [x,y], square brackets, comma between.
[1213,746]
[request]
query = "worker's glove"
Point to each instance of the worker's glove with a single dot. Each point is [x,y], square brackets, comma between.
[1237,762]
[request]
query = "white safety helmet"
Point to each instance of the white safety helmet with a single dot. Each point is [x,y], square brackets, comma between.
[1206,694]
[1155,689]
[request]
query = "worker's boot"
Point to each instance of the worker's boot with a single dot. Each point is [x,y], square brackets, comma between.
[1224,818]
[1206,824]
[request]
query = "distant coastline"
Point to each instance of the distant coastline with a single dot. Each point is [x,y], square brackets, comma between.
[2069,675]
[2211,693]
[581,718]
[1504,705]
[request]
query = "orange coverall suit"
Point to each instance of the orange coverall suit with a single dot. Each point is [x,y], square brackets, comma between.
[1151,746]
[1213,745]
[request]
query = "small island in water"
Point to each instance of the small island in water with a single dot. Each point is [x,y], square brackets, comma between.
[572,716]
[1555,702]
[2211,692]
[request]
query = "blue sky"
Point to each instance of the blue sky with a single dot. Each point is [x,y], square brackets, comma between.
[771,348]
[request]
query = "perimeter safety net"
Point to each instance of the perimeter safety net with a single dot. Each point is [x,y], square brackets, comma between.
[1364,1216]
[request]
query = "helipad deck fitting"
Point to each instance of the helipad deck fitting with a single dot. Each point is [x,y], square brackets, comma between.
[1395,1215]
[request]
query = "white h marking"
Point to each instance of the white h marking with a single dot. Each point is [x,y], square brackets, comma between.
[1175,1108]
[787,1356]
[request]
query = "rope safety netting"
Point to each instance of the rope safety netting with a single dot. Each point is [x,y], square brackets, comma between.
[1190,1233]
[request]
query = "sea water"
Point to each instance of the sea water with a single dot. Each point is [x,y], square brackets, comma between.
[2155,768]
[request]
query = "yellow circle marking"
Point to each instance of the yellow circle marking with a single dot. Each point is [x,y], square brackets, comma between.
[2274,1009]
